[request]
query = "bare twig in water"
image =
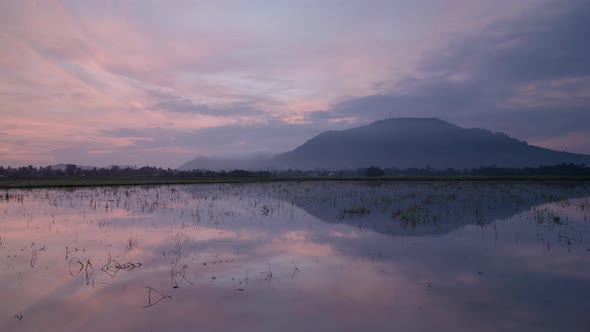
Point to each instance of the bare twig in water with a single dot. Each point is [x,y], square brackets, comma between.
[89,271]
[173,273]
[176,271]
[269,274]
[75,267]
[129,266]
[295,269]
[155,297]
[33,254]
[427,284]
[182,273]
[113,267]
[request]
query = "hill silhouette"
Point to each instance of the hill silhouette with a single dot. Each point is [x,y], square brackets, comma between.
[405,143]
[420,142]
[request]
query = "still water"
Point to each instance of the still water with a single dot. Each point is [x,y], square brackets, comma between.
[312,256]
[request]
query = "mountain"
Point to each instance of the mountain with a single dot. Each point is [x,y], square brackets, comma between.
[419,142]
[258,162]
[63,167]
[119,166]
[401,143]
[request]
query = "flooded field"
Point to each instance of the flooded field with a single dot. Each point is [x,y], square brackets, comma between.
[313,256]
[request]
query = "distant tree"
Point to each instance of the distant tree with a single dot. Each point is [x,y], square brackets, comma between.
[374,171]
[47,171]
[240,173]
[71,169]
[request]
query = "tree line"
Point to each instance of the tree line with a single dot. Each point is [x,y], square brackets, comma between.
[72,170]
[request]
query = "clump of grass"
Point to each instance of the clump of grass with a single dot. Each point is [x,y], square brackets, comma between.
[360,211]
[545,215]
[265,210]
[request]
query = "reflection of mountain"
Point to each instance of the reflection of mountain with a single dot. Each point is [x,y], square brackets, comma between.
[422,208]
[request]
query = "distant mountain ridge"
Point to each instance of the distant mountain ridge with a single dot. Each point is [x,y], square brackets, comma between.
[420,142]
[415,142]
[62,167]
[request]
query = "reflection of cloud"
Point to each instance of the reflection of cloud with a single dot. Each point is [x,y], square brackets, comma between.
[99,151]
[562,265]
[295,243]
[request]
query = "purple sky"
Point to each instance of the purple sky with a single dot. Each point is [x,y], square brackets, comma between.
[161,82]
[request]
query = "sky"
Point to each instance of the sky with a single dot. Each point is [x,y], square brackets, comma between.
[162,82]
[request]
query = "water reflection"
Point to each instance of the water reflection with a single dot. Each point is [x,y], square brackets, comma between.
[297,256]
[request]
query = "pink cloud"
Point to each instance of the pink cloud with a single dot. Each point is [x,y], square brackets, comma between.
[574,141]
